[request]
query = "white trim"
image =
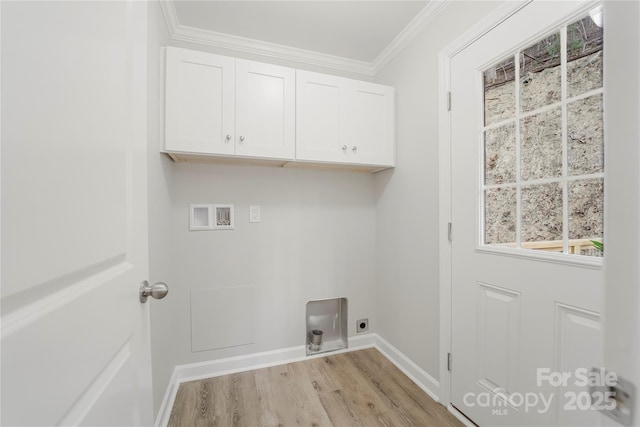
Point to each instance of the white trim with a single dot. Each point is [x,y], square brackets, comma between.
[488,23]
[544,256]
[460,416]
[271,50]
[215,368]
[417,24]
[168,8]
[419,376]
[499,15]
[278,51]
[164,412]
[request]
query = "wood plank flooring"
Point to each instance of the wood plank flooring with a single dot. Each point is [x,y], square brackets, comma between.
[359,388]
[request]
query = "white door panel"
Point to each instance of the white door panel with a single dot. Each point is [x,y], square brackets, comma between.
[74,240]
[200,102]
[512,314]
[265,110]
[320,129]
[372,130]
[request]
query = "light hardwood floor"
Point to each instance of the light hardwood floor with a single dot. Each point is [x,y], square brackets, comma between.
[359,388]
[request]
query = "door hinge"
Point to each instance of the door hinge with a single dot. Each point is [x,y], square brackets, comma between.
[449,231]
[448,101]
[449,362]
[618,398]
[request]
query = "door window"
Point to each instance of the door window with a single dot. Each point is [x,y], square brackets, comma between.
[543,174]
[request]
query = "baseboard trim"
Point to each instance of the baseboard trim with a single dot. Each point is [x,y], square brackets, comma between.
[164,412]
[460,416]
[426,382]
[216,368]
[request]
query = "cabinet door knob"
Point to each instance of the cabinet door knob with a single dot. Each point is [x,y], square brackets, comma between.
[228,137]
[241,138]
[344,148]
[355,148]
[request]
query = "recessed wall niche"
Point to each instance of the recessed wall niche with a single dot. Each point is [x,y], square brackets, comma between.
[211,217]
[326,325]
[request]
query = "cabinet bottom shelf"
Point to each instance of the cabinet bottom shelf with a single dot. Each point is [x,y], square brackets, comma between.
[297,164]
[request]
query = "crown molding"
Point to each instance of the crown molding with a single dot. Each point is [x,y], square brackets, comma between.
[170,15]
[417,24]
[278,51]
[271,50]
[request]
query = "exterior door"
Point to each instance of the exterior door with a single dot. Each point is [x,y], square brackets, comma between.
[527,202]
[75,342]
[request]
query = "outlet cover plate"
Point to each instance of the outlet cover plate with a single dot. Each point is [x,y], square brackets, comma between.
[362,325]
[254,214]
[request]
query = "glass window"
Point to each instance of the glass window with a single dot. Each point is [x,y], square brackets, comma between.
[543,184]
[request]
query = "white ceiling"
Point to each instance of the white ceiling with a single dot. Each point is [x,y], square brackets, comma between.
[348,35]
[358,30]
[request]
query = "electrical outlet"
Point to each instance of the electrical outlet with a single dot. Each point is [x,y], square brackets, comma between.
[362,325]
[254,214]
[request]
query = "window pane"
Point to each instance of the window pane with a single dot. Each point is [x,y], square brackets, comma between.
[585,138]
[499,92]
[542,216]
[500,215]
[586,217]
[584,57]
[540,74]
[526,154]
[500,154]
[541,145]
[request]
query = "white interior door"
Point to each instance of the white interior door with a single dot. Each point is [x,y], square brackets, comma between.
[75,347]
[521,313]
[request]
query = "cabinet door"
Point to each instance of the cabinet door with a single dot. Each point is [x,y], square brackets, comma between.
[199,102]
[371,134]
[320,127]
[265,110]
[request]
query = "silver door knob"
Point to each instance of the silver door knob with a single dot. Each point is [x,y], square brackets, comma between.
[344,148]
[355,148]
[156,291]
[241,138]
[228,137]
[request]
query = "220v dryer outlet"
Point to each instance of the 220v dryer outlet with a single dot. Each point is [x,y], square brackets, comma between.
[362,326]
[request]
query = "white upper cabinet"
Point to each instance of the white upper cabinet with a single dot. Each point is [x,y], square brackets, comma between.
[218,105]
[200,102]
[344,121]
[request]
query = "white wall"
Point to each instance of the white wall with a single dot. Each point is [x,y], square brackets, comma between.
[407,197]
[323,234]
[316,240]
